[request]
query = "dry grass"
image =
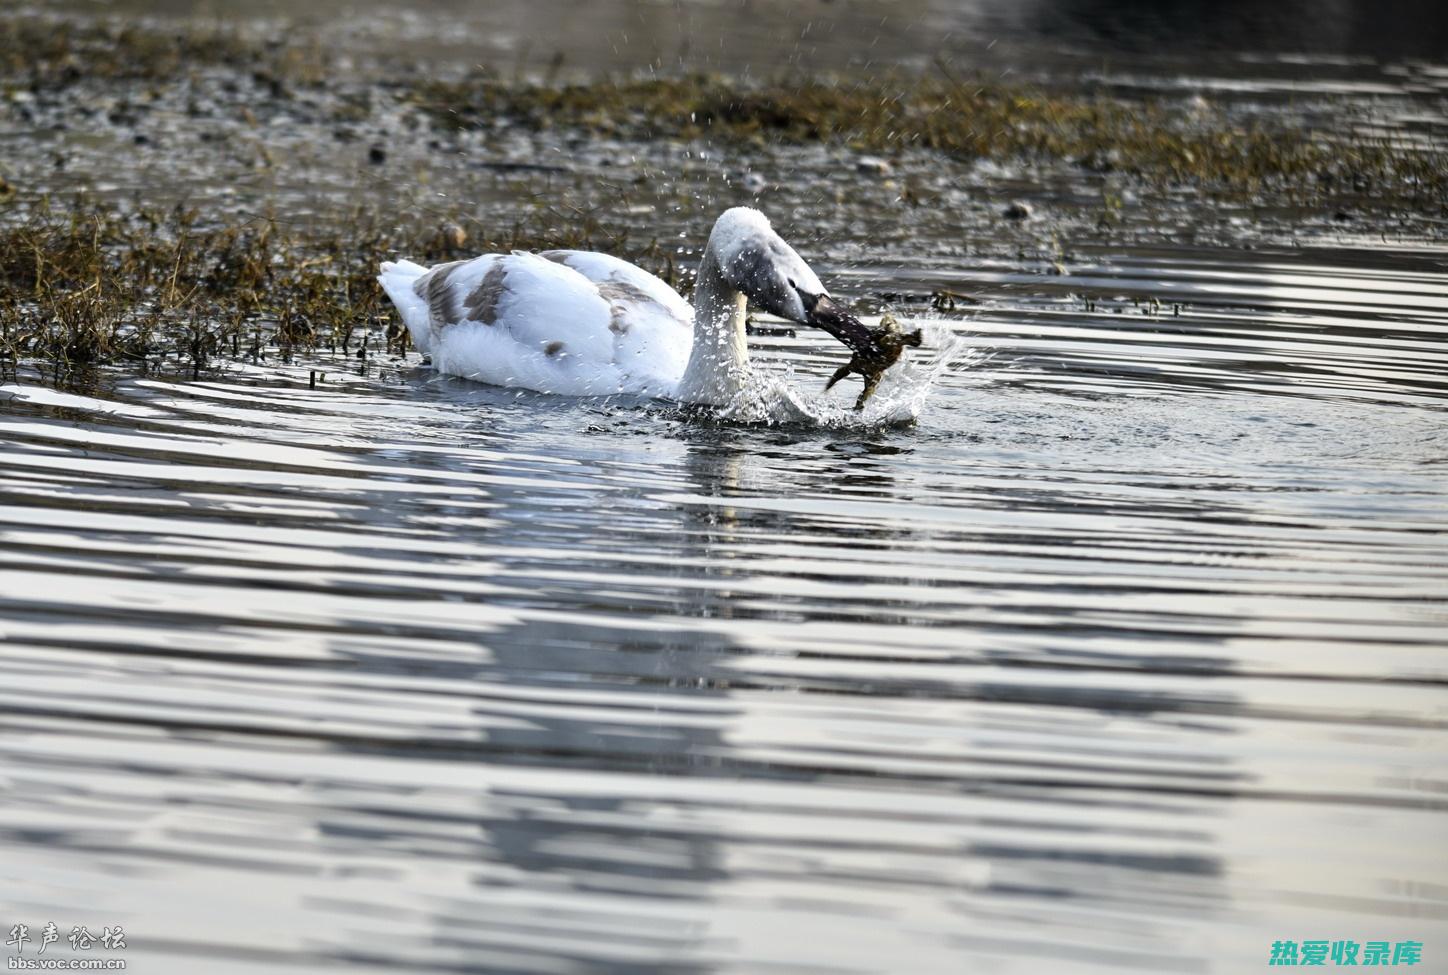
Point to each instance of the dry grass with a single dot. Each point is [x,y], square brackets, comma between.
[961,119]
[84,285]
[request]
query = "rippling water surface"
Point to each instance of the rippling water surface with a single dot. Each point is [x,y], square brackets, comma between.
[1128,655]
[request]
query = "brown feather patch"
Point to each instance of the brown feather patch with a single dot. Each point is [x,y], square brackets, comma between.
[620,295]
[482,304]
[441,302]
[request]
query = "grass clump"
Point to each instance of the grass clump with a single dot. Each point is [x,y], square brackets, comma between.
[89,284]
[963,120]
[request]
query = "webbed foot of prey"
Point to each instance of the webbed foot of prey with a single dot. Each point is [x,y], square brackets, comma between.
[870,383]
[840,373]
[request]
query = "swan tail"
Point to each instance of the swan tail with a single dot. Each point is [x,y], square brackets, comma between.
[397,279]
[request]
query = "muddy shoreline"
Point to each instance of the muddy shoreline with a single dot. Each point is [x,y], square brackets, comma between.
[192,194]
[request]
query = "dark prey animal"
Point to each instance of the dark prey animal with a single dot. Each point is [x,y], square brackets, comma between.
[875,349]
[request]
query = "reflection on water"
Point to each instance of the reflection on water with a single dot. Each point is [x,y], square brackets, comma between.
[1373,28]
[1128,655]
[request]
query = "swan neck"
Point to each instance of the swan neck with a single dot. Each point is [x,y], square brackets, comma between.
[719,360]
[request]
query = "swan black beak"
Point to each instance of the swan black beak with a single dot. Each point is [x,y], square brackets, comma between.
[822,311]
[875,349]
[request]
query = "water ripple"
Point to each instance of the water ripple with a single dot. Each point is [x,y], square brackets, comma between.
[1128,654]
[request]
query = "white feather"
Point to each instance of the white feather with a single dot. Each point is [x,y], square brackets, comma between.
[580,323]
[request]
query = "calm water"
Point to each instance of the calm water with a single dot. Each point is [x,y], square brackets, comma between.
[1129,655]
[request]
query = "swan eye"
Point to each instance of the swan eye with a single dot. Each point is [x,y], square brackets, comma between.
[792,284]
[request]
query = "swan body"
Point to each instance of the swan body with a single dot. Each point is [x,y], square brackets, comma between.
[580,323]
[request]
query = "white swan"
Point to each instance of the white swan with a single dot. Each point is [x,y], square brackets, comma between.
[581,324]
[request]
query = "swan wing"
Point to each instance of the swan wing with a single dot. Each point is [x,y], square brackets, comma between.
[608,272]
[535,322]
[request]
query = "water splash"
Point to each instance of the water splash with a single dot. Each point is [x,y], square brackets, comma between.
[410,655]
[775,400]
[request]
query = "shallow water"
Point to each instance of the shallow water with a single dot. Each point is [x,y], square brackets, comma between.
[1127,654]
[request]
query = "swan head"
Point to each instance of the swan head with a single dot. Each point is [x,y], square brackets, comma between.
[756,261]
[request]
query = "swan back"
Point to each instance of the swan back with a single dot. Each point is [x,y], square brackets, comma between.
[563,322]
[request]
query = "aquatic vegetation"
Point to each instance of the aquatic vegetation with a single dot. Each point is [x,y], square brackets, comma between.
[962,116]
[92,279]
[962,119]
[84,283]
